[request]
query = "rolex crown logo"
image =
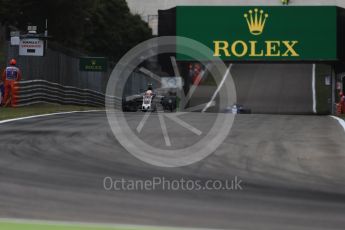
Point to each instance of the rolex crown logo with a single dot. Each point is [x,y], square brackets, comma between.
[256,21]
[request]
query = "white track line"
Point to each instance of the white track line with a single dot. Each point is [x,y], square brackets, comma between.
[150,74]
[177,74]
[99,225]
[199,107]
[184,124]
[195,85]
[143,121]
[218,89]
[47,115]
[314,89]
[164,130]
[341,121]
[175,68]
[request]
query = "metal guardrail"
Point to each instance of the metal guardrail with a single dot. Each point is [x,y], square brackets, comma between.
[42,91]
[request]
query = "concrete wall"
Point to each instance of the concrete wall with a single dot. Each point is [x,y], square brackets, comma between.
[274,88]
[58,67]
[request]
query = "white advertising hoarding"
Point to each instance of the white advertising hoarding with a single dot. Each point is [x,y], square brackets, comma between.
[15,41]
[172,82]
[31,47]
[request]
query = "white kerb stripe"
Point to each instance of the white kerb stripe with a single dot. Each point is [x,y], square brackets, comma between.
[341,121]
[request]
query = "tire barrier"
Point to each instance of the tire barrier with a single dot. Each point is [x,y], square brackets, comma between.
[42,91]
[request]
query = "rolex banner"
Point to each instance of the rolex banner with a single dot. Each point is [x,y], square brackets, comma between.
[275,33]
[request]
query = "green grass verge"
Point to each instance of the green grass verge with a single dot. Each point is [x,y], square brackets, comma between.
[33,225]
[13,226]
[9,113]
[24,226]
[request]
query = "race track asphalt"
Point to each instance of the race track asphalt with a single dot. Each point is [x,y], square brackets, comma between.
[292,168]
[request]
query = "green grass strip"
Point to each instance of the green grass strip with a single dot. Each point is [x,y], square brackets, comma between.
[51,226]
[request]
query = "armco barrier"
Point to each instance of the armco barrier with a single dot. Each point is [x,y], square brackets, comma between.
[41,91]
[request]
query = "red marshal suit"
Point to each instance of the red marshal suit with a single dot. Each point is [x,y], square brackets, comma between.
[342,103]
[10,76]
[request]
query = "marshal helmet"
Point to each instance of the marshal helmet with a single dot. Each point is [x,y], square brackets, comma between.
[13,61]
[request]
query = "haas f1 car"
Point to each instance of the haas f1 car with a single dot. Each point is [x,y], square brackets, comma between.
[149,102]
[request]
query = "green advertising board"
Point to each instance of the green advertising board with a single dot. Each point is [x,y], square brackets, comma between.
[266,33]
[95,64]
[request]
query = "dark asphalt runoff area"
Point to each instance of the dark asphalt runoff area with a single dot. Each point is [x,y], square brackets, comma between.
[292,168]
